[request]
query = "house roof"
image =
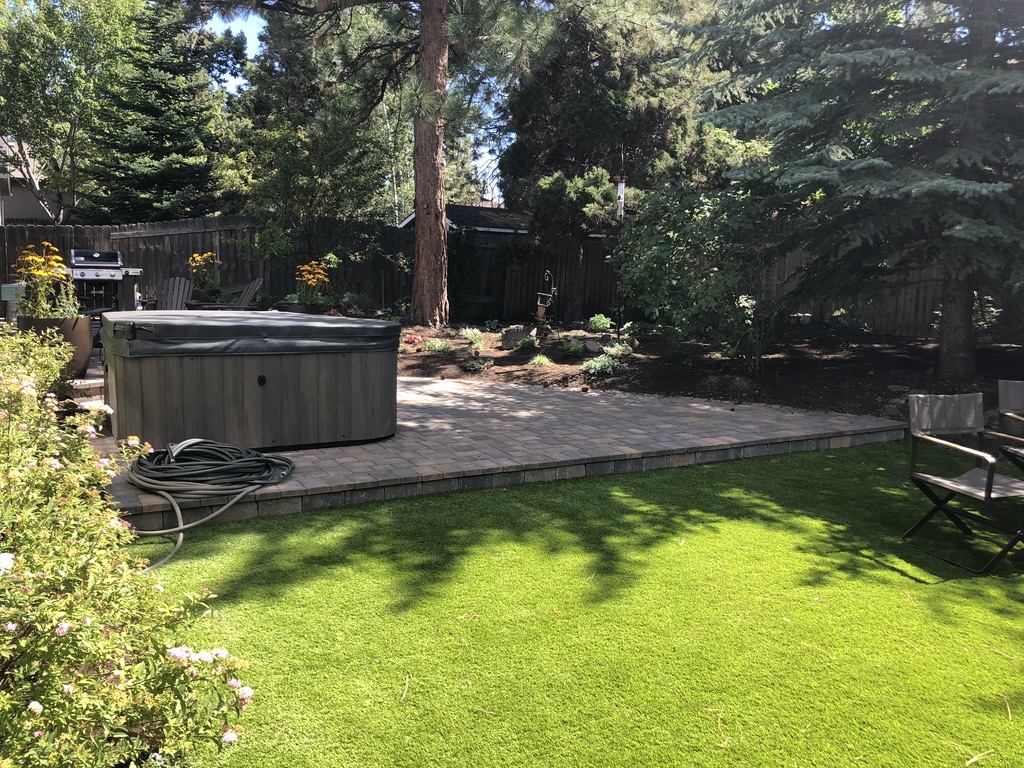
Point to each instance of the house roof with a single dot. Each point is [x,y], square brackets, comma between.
[481,219]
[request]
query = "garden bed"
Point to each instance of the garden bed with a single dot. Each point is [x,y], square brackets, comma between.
[826,369]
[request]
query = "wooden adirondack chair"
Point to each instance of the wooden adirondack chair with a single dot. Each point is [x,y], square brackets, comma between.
[245,298]
[173,293]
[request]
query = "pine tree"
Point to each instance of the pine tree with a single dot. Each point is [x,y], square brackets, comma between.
[157,146]
[598,102]
[896,137]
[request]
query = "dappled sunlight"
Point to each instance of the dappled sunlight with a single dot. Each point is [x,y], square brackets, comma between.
[819,522]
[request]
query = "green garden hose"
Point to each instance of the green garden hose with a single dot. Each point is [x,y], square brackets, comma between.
[201,469]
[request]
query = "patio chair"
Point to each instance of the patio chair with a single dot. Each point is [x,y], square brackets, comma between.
[982,497]
[1011,421]
[245,298]
[172,294]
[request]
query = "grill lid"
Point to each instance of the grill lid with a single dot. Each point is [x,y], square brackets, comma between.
[81,257]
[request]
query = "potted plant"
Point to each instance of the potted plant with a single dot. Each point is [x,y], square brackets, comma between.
[49,301]
[311,281]
[205,275]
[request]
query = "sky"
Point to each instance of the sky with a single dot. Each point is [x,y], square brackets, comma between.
[248,23]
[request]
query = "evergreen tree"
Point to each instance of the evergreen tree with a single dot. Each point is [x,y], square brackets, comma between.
[55,58]
[157,146]
[424,42]
[599,101]
[896,134]
[316,169]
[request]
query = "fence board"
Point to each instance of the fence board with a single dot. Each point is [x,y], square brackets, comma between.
[507,274]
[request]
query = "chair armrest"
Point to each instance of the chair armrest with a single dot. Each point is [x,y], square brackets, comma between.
[1004,436]
[962,448]
[1012,415]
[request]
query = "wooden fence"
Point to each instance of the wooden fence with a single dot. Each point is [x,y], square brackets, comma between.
[490,275]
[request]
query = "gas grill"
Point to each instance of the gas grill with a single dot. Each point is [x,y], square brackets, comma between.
[102,281]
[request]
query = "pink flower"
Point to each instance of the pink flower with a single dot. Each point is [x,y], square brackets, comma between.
[180,653]
[39,734]
[205,656]
[62,628]
[220,653]
[229,737]
[235,682]
[245,694]
[11,626]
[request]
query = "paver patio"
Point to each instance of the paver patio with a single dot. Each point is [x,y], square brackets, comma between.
[467,434]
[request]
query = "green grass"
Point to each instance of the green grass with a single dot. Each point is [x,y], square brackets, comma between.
[753,613]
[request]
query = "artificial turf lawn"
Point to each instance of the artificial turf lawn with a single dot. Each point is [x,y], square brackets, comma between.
[752,613]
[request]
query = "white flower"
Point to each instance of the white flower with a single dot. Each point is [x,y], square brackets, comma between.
[35,707]
[6,562]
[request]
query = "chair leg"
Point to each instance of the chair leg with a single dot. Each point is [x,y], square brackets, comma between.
[941,505]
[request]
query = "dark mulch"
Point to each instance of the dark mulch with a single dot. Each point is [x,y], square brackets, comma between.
[816,368]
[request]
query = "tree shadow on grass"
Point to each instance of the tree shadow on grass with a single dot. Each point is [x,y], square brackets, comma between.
[846,508]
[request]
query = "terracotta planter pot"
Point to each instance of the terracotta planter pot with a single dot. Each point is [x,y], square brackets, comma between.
[77,331]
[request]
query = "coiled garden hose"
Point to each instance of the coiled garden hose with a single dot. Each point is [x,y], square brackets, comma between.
[201,469]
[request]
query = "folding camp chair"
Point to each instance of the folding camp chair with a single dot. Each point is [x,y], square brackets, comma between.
[1011,421]
[983,497]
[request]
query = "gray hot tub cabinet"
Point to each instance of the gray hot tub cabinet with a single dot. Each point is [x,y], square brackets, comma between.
[252,379]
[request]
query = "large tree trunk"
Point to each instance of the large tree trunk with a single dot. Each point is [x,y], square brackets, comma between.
[430,273]
[956,330]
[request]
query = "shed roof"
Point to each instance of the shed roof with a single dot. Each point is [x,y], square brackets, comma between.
[481,219]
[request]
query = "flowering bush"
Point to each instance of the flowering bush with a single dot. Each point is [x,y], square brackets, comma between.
[93,670]
[49,290]
[204,270]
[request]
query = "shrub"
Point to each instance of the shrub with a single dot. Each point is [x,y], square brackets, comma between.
[540,360]
[602,365]
[472,335]
[527,342]
[618,350]
[94,669]
[638,329]
[599,323]
[437,345]
[357,302]
[476,364]
[572,348]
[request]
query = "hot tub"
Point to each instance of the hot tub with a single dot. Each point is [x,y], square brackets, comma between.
[252,379]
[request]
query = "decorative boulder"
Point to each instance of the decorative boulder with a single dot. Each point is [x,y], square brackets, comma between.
[512,335]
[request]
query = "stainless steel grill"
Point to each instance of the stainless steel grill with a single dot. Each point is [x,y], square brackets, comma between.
[102,281]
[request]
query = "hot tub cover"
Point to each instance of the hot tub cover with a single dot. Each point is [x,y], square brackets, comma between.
[150,334]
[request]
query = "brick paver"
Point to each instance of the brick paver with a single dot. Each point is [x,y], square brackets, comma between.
[461,434]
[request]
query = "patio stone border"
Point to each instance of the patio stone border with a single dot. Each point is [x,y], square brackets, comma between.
[464,434]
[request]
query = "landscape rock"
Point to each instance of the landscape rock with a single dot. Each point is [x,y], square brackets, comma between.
[593,346]
[512,335]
